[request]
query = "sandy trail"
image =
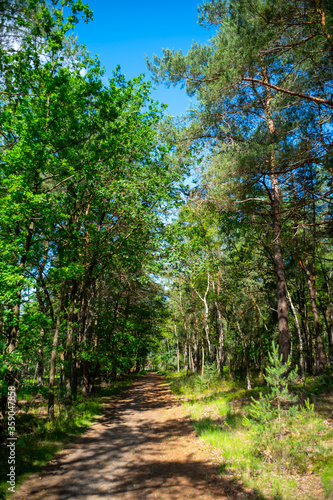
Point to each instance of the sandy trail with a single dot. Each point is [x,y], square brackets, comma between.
[143,447]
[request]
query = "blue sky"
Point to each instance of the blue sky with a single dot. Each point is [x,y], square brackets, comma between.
[123,32]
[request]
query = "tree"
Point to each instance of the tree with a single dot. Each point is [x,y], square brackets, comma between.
[256,116]
[85,181]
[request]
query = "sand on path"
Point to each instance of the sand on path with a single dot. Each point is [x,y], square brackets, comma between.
[142,447]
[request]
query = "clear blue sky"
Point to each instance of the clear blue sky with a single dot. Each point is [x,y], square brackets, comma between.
[123,32]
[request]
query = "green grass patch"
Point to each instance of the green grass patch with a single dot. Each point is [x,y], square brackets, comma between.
[271,455]
[327,478]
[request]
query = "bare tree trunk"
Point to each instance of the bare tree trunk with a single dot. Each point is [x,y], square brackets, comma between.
[178,363]
[185,357]
[202,355]
[54,352]
[281,287]
[195,338]
[310,341]
[206,318]
[220,350]
[190,356]
[320,357]
[330,315]
[221,347]
[282,308]
[40,369]
[262,357]
[13,331]
[301,354]
[86,338]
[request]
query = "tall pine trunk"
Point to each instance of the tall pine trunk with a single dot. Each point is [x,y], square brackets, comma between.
[281,285]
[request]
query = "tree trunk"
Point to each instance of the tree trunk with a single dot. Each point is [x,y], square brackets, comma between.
[70,354]
[202,355]
[185,357]
[190,356]
[54,352]
[220,350]
[221,340]
[206,319]
[310,280]
[330,315]
[320,357]
[301,354]
[40,368]
[281,286]
[195,338]
[13,330]
[178,363]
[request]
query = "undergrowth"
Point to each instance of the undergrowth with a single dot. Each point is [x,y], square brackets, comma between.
[40,439]
[272,437]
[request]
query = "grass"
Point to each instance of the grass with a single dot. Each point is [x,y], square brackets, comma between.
[39,439]
[327,475]
[290,458]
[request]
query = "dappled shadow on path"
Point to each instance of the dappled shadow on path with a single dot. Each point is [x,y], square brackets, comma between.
[139,449]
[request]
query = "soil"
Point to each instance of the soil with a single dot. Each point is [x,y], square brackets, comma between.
[142,447]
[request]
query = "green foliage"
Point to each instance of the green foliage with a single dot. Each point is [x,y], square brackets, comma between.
[269,455]
[256,82]
[184,384]
[262,410]
[327,477]
[32,390]
[89,175]
[279,377]
[86,180]
[275,429]
[323,383]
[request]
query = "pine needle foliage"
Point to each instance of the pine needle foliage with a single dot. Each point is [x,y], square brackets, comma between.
[279,377]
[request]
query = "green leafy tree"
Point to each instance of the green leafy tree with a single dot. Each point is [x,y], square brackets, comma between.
[85,181]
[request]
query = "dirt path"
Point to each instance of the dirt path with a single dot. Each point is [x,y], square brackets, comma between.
[143,447]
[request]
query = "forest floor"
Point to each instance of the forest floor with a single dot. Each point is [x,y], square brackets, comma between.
[286,458]
[143,446]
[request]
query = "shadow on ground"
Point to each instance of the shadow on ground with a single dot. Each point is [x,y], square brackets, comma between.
[132,453]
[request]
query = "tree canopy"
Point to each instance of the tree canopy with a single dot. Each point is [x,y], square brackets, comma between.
[108,264]
[85,183]
[264,126]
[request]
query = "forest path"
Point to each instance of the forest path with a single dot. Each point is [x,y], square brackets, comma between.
[142,447]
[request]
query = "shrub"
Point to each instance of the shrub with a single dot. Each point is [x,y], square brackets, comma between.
[278,378]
